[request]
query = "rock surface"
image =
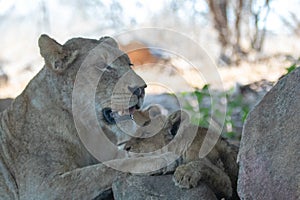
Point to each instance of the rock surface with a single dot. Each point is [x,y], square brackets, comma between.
[157,188]
[270,146]
[4,103]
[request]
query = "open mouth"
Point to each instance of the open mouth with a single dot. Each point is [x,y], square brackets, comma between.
[111,117]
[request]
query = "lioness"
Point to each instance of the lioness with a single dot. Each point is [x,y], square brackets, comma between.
[41,154]
[218,169]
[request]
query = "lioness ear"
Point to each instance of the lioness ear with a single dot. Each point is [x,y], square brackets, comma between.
[56,58]
[110,41]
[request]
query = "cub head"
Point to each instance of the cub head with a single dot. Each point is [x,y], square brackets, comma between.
[157,132]
[116,90]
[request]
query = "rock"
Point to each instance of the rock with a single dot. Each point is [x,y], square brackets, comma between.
[106,195]
[167,101]
[157,188]
[4,103]
[252,93]
[270,146]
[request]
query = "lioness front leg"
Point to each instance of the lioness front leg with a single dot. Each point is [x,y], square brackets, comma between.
[189,175]
[81,183]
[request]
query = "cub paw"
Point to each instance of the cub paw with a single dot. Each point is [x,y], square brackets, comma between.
[186,177]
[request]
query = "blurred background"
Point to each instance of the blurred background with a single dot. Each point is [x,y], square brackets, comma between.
[253,42]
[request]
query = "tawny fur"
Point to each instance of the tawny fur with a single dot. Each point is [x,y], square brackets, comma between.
[218,169]
[41,154]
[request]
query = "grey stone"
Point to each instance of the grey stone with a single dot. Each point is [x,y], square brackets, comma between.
[157,188]
[270,147]
[106,195]
[167,101]
[4,103]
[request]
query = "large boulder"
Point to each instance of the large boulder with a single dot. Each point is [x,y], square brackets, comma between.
[269,154]
[157,188]
[4,103]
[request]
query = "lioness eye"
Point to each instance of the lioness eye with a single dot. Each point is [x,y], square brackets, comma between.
[130,64]
[108,67]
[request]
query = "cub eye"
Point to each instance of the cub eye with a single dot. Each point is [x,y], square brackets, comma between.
[130,64]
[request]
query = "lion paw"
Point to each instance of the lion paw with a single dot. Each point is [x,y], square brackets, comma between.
[186,177]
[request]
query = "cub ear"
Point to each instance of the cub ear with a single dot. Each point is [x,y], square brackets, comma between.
[56,58]
[110,41]
[175,120]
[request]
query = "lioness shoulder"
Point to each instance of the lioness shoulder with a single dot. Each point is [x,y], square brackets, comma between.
[43,153]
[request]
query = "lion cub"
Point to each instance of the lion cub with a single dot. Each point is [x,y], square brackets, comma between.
[218,169]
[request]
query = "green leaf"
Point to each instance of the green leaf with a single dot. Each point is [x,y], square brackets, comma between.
[199,96]
[291,68]
[205,87]
[230,134]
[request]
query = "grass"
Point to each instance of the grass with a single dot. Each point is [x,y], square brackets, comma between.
[199,105]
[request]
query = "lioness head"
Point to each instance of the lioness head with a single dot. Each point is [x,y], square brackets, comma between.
[119,91]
